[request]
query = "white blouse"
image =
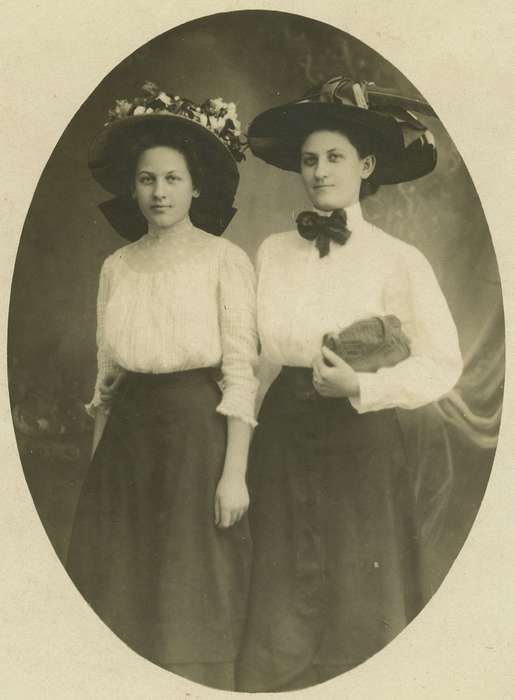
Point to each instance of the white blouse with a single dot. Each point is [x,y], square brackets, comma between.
[302,296]
[177,301]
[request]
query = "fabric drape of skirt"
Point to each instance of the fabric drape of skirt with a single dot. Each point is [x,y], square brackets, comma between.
[144,551]
[335,572]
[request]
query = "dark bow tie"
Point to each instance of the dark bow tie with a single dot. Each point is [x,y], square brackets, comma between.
[324,229]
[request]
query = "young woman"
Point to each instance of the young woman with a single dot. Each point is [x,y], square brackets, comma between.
[160,545]
[333,521]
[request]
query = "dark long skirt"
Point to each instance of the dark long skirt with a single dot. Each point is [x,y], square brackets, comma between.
[145,552]
[335,573]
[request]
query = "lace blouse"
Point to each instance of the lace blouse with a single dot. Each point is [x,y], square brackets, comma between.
[177,301]
[302,296]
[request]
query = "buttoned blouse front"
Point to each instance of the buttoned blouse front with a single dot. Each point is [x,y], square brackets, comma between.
[180,300]
[302,296]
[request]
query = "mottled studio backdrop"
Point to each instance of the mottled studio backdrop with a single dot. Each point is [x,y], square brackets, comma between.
[256,59]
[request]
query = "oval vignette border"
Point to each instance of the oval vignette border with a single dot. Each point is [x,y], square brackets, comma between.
[59,579]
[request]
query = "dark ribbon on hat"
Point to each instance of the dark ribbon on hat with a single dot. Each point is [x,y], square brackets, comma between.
[324,229]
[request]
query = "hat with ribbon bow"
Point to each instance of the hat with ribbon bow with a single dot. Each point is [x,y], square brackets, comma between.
[404,147]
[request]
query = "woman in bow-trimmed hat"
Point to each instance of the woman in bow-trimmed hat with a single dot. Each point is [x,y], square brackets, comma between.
[160,545]
[332,514]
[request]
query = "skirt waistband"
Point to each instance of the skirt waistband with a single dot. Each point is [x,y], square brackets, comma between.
[199,374]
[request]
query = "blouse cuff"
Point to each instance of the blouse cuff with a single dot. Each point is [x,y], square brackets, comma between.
[234,409]
[368,398]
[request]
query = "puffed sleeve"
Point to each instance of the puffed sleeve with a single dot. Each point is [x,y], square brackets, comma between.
[106,366]
[413,295]
[237,308]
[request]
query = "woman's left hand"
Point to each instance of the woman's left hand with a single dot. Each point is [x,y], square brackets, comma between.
[337,381]
[231,500]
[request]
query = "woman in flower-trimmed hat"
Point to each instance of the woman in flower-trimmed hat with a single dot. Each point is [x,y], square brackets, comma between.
[160,545]
[333,515]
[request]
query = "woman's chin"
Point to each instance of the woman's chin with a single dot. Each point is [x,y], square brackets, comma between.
[326,199]
[326,204]
[164,220]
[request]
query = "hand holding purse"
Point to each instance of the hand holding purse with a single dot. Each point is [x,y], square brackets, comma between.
[370,344]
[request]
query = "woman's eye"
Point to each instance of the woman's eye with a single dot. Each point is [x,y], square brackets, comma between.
[145,179]
[309,161]
[173,178]
[333,157]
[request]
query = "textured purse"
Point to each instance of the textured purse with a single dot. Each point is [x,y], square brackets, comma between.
[370,344]
[365,345]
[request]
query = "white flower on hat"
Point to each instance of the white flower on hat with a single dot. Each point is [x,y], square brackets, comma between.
[217,123]
[165,99]
[218,103]
[214,114]
[122,108]
[231,112]
[150,88]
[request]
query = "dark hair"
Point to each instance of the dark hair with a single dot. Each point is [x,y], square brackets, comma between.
[164,137]
[215,181]
[362,140]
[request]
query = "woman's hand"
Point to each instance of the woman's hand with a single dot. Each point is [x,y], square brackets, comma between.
[231,500]
[337,381]
[109,386]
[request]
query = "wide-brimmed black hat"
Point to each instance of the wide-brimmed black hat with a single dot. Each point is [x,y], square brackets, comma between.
[404,147]
[213,130]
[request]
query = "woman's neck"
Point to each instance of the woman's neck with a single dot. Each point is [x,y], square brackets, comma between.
[353,206]
[166,231]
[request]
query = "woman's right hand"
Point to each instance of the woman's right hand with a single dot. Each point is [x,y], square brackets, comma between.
[335,380]
[109,386]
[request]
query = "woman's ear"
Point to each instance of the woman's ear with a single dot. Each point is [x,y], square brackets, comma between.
[368,166]
[196,193]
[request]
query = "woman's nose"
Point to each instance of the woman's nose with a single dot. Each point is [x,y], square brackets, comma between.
[158,190]
[320,169]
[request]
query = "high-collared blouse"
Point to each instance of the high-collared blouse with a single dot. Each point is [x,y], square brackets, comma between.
[302,296]
[180,300]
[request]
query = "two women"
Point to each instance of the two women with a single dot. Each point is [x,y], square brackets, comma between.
[160,547]
[332,511]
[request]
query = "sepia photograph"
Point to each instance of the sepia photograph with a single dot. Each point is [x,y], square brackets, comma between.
[255,353]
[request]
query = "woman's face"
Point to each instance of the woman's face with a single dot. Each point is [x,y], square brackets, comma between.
[332,170]
[163,186]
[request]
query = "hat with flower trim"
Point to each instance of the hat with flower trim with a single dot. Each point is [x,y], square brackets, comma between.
[213,129]
[404,147]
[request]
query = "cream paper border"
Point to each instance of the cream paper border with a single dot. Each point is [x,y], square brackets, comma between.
[459,55]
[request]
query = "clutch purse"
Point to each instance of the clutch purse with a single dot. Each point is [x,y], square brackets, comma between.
[365,345]
[370,344]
